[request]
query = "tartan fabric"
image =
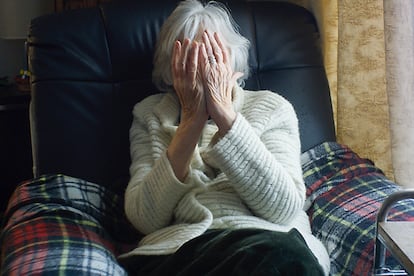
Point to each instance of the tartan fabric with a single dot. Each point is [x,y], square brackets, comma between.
[344,194]
[61,225]
[57,224]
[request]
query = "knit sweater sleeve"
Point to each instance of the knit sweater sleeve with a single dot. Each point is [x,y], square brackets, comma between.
[153,190]
[261,159]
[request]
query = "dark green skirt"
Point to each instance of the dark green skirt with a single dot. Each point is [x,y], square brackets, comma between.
[233,252]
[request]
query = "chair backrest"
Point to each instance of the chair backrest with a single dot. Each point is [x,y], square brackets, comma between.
[90,66]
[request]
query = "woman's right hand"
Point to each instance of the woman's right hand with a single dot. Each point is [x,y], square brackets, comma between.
[193,107]
[185,80]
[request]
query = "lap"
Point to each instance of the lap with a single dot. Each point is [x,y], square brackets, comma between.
[233,252]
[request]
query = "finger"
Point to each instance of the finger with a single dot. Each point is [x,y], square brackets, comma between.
[207,44]
[203,56]
[212,60]
[192,61]
[223,49]
[184,53]
[236,76]
[215,47]
[175,59]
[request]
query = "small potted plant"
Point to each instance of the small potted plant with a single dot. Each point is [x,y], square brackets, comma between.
[23,81]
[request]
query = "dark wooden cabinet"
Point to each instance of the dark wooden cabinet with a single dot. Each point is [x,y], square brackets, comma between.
[15,144]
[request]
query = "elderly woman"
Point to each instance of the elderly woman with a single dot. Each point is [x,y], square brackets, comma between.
[216,183]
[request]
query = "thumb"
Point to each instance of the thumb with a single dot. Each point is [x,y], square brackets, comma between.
[236,76]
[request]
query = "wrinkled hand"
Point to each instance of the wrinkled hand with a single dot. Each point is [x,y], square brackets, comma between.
[218,80]
[185,80]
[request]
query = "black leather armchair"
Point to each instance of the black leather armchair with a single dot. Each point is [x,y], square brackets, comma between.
[91,66]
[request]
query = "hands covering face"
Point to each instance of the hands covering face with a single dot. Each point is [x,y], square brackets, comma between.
[203,78]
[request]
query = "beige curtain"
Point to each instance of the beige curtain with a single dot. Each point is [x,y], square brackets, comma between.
[399,43]
[363,113]
[354,53]
[369,58]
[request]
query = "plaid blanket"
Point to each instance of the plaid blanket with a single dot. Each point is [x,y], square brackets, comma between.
[57,224]
[344,193]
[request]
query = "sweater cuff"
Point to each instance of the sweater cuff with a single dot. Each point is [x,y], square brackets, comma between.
[230,143]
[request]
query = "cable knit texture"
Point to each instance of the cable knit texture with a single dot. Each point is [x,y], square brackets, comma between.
[250,178]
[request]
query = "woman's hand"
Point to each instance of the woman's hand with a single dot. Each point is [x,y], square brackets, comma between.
[194,114]
[218,80]
[187,87]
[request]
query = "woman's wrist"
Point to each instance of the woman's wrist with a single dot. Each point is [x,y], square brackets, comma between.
[225,121]
[194,120]
[181,148]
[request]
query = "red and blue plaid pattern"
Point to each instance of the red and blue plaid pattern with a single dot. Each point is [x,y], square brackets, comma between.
[58,225]
[62,225]
[344,195]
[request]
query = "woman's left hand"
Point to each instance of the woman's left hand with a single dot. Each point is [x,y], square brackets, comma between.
[218,80]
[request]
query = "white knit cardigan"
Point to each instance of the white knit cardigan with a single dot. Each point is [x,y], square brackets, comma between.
[250,178]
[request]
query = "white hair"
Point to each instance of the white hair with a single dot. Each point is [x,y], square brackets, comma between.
[186,21]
